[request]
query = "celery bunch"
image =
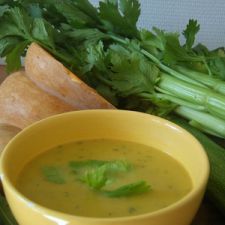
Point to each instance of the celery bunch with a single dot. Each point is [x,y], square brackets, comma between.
[133,68]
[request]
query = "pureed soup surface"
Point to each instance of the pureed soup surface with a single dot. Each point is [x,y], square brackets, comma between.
[60,189]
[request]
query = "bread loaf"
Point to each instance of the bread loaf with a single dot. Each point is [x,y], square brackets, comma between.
[23,103]
[53,77]
[7,132]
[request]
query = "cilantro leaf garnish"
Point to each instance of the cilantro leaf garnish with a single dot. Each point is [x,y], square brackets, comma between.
[131,189]
[96,174]
[95,178]
[53,174]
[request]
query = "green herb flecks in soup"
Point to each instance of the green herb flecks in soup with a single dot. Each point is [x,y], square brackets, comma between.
[104,178]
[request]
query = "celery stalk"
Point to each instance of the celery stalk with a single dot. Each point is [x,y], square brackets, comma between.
[206,120]
[214,83]
[170,70]
[213,102]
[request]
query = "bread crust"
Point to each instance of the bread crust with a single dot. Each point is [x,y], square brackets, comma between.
[53,77]
[7,132]
[23,103]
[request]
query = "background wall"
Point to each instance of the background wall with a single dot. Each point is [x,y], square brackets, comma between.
[173,15]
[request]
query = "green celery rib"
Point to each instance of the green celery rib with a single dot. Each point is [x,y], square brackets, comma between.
[213,102]
[180,102]
[161,65]
[187,88]
[171,71]
[207,121]
[204,129]
[214,83]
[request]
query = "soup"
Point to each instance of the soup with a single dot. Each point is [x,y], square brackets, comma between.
[104,178]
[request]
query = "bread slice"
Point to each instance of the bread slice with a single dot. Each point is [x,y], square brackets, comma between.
[7,132]
[23,103]
[53,77]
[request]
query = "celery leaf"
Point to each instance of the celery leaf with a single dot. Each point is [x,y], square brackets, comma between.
[131,189]
[189,33]
[120,18]
[53,174]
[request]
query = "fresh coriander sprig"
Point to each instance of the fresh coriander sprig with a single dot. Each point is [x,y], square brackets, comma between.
[96,174]
[131,189]
[53,174]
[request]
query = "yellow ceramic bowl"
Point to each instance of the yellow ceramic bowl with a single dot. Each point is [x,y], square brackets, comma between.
[125,125]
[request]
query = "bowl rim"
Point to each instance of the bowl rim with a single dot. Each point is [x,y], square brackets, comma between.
[63,216]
